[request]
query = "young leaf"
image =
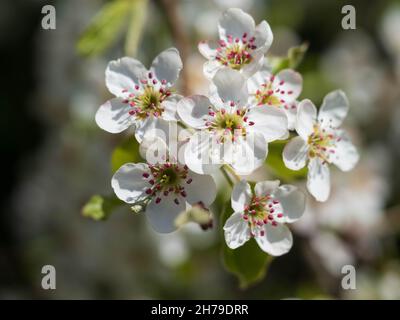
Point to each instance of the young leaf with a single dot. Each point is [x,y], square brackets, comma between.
[104,29]
[294,57]
[100,208]
[248,262]
[127,151]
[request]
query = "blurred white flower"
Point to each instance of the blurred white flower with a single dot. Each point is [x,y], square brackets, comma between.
[353,64]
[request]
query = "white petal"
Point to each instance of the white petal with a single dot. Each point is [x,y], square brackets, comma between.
[346,155]
[291,113]
[318,179]
[193,110]
[162,215]
[241,195]
[208,49]
[292,201]
[263,36]
[230,85]
[236,231]
[256,63]
[255,82]
[264,188]
[269,121]
[113,116]
[277,240]
[128,182]
[170,107]
[306,118]
[249,153]
[153,149]
[167,65]
[154,126]
[197,154]
[292,84]
[334,109]
[235,22]
[201,189]
[295,153]
[211,67]
[124,74]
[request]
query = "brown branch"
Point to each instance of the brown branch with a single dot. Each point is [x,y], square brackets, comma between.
[175,23]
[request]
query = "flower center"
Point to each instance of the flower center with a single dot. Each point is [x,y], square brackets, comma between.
[321,144]
[166,179]
[228,124]
[270,91]
[236,52]
[146,99]
[261,211]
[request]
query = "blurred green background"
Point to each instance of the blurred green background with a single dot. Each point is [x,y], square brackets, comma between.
[55,157]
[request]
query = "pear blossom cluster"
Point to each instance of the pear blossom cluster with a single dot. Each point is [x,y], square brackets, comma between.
[185,141]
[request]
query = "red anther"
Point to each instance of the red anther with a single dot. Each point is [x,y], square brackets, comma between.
[290,92]
[145,175]
[158,200]
[280,215]
[144,81]
[281,82]
[137,87]
[232,104]
[154,81]
[244,35]
[274,223]
[149,191]
[176,201]
[272,210]
[245,119]
[251,123]
[270,217]
[183,193]
[252,39]
[275,201]
[165,192]
[150,75]
[151,181]
[245,217]
[189,181]
[262,233]
[125,101]
[132,112]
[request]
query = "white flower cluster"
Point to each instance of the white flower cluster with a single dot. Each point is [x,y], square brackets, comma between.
[247,107]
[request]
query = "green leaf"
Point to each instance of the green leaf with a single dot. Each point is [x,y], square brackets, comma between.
[127,151]
[294,57]
[100,208]
[276,165]
[136,24]
[104,28]
[248,262]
